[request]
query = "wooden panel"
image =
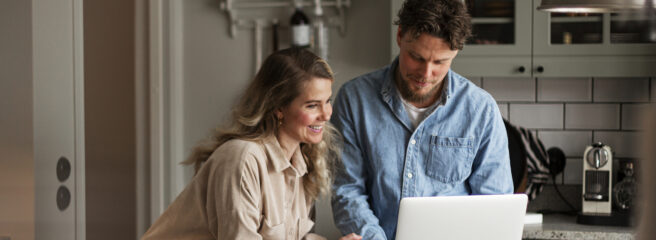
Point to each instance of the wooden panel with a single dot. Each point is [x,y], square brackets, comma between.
[489,66]
[595,66]
[58,116]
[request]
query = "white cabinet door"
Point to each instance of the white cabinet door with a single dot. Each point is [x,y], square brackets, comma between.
[58,118]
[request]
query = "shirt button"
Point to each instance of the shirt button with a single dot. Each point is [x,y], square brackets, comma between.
[413,141]
[409,175]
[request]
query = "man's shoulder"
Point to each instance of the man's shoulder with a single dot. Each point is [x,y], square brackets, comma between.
[368,82]
[468,90]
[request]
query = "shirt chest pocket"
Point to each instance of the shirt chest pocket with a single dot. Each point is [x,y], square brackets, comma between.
[450,158]
[272,231]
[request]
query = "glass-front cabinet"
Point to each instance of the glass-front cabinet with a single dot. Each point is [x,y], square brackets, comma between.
[512,38]
[499,27]
[501,40]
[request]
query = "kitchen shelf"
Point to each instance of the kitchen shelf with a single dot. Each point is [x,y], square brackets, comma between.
[233,7]
[576,19]
[622,18]
[492,20]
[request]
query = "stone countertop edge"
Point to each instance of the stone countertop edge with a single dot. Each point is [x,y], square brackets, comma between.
[558,226]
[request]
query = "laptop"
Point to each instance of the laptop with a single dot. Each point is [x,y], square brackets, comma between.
[462,217]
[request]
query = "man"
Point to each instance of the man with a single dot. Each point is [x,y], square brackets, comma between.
[416,128]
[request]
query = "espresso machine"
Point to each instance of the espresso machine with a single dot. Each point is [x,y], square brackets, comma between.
[597,179]
[597,196]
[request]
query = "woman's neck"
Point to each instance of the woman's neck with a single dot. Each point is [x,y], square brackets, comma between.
[288,145]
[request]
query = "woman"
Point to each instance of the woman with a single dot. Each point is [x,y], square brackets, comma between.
[258,179]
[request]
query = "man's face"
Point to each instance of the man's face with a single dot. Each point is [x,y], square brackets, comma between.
[423,64]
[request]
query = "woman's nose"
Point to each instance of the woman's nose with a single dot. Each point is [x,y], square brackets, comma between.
[326,111]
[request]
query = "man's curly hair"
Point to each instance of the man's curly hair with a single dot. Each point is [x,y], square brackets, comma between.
[446,19]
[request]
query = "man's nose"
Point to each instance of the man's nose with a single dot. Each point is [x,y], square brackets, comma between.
[426,70]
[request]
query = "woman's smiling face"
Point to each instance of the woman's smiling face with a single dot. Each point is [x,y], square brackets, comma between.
[304,118]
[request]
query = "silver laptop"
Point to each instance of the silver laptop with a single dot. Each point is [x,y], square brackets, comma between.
[462,217]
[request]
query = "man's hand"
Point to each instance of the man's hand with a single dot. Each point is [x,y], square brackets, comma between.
[351,236]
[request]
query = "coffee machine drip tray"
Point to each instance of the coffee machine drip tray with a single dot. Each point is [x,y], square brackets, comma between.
[596,185]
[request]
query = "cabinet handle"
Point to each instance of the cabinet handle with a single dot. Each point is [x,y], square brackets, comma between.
[540,69]
[521,69]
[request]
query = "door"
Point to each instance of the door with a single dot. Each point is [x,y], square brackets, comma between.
[58,119]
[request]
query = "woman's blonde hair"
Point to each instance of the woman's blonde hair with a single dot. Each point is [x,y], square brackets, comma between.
[278,82]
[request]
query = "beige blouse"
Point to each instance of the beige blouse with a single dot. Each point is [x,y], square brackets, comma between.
[246,190]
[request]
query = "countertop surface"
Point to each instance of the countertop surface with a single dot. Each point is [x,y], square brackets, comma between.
[559,226]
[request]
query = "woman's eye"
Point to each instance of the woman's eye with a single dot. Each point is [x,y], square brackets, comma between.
[313,106]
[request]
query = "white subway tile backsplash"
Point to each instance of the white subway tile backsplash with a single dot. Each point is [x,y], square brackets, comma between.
[510,89]
[621,90]
[592,116]
[503,108]
[564,89]
[572,113]
[632,115]
[623,144]
[572,143]
[475,80]
[573,171]
[537,116]
[559,179]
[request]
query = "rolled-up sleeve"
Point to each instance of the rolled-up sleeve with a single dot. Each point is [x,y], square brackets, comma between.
[351,210]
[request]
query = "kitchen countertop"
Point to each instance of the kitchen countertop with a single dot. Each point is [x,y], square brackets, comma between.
[558,226]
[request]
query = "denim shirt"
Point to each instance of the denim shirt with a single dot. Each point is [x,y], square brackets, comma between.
[460,148]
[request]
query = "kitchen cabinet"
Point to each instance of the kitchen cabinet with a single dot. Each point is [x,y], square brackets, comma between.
[512,39]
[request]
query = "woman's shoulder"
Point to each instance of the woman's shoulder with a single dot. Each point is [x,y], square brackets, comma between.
[237,154]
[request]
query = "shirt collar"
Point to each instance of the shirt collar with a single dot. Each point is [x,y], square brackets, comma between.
[278,160]
[392,97]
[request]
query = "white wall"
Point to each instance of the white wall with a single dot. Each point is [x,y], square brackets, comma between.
[17,160]
[217,67]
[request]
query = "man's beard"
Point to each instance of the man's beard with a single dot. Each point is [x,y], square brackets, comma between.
[411,96]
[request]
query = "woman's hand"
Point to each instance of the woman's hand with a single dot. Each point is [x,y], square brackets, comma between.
[351,236]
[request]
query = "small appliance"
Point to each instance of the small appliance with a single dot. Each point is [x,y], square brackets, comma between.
[597,179]
[597,198]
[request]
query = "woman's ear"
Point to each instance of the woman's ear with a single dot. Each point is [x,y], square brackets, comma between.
[278,114]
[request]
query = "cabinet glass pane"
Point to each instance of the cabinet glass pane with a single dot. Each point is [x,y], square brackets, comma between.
[632,27]
[576,28]
[493,21]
